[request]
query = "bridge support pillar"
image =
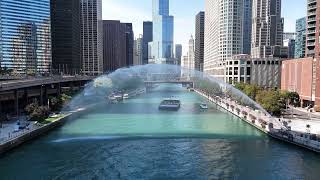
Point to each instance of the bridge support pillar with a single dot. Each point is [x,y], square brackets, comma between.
[43,95]
[58,89]
[16,102]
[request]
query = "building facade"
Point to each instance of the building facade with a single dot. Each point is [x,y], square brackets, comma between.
[224,33]
[65,27]
[199,41]
[25,38]
[178,53]
[300,43]
[289,44]
[247,26]
[191,53]
[313,13]
[298,75]
[129,43]
[147,38]
[267,29]
[138,51]
[91,37]
[289,35]
[263,72]
[162,44]
[114,45]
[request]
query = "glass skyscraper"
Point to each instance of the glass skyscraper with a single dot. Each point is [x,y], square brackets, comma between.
[162,45]
[25,35]
[300,43]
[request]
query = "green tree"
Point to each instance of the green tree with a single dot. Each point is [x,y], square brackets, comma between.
[270,101]
[36,112]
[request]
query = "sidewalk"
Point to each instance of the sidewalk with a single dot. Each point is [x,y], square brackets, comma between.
[306,111]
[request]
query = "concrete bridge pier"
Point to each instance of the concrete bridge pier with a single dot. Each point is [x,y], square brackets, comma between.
[16,102]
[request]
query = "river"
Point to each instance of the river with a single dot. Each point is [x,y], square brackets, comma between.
[134,140]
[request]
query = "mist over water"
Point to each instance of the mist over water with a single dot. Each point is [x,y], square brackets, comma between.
[134,140]
[129,79]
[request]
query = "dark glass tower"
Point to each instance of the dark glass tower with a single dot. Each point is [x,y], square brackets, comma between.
[147,37]
[65,25]
[114,45]
[129,44]
[25,35]
[199,42]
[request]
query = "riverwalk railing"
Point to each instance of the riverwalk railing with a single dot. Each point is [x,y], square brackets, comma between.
[265,123]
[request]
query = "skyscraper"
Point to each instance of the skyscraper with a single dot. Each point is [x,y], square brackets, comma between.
[267,29]
[313,16]
[65,27]
[191,62]
[137,51]
[162,44]
[91,37]
[224,33]
[300,44]
[247,26]
[147,37]
[129,44]
[178,53]
[199,41]
[25,36]
[114,45]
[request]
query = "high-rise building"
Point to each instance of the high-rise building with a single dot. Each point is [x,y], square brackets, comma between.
[191,53]
[224,33]
[267,29]
[199,41]
[25,36]
[147,38]
[91,37]
[162,44]
[178,53]
[247,26]
[65,27]
[289,35]
[313,15]
[289,44]
[300,43]
[114,45]
[313,45]
[129,44]
[138,51]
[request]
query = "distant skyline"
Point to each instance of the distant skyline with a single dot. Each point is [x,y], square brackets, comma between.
[137,11]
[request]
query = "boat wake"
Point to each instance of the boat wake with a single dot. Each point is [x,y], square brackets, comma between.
[91,138]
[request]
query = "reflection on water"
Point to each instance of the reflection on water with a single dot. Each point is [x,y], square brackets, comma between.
[134,140]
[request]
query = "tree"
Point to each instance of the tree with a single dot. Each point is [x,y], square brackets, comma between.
[270,101]
[36,112]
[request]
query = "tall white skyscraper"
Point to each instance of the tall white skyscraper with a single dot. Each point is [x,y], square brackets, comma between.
[91,37]
[162,45]
[224,33]
[191,53]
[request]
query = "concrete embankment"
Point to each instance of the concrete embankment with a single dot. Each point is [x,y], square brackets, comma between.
[16,141]
[27,136]
[265,125]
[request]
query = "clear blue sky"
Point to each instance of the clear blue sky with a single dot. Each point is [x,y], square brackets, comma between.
[184,11]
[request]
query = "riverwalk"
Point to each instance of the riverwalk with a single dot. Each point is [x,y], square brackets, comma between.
[267,124]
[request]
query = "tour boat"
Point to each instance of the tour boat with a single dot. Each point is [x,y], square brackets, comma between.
[126,96]
[203,106]
[170,104]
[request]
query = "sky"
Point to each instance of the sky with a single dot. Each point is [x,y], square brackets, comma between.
[184,11]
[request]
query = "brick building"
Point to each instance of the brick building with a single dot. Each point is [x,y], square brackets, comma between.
[302,76]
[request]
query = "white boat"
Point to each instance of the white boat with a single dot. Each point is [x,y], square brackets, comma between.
[203,106]
[125,96]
